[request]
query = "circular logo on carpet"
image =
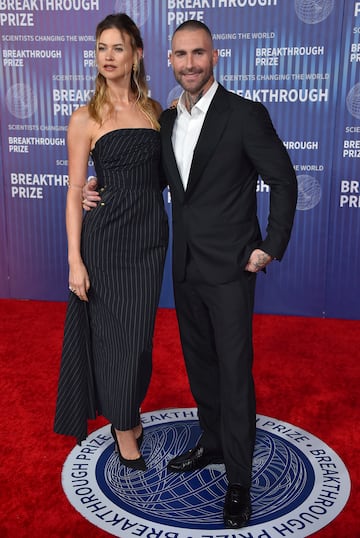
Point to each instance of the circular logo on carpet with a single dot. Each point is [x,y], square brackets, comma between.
[299,483]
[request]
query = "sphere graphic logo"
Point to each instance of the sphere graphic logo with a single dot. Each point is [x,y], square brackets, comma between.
[309,192]
[21,101]
[313,11]
[189,502]
[289,482]
[353,101]
[138,10]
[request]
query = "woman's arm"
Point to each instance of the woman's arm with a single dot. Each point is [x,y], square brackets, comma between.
[79,143]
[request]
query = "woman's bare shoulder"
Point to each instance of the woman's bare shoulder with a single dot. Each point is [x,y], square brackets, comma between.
[82,124]
[80,116]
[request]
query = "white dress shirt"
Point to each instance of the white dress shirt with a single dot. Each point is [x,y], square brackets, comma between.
[187,129]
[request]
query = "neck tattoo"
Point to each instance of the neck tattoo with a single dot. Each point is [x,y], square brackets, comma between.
[191,101]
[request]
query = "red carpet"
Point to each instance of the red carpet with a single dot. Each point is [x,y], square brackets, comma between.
[306,372]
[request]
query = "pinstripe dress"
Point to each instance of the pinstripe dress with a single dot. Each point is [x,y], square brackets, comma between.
[107,347]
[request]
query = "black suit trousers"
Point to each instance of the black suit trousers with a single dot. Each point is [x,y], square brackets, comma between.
[215,323]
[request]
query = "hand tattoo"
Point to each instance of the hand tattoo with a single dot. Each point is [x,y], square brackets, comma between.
[262,260]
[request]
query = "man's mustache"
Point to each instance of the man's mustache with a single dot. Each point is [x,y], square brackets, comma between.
[190,71]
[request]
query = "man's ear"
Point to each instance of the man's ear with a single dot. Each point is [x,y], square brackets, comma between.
[215,56]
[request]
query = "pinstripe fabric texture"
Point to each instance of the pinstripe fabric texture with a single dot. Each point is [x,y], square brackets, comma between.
[107,349]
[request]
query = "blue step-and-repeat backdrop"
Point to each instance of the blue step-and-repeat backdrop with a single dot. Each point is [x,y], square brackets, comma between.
[301,58]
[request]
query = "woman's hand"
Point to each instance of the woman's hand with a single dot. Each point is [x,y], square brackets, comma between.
[79,282]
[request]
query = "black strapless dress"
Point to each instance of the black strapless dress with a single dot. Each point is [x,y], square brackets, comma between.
[107,348]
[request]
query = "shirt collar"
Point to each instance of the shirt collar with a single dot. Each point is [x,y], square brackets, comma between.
[203,103]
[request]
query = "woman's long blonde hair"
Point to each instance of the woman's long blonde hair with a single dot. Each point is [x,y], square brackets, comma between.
[124,24]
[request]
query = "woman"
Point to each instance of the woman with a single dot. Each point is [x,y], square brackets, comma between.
[117,251]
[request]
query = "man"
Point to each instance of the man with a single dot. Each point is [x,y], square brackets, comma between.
[214,146]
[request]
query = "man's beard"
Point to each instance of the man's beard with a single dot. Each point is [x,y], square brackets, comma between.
[193,90]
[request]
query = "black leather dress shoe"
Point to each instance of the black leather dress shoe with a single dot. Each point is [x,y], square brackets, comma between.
[237,507]
[196,458]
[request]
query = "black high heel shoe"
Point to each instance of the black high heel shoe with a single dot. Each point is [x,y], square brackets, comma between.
[138,464]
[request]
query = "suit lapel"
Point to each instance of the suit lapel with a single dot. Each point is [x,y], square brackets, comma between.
[211,132]
[212,129]
[168,155]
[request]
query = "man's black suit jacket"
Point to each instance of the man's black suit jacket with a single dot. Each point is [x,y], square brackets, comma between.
[216,216]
